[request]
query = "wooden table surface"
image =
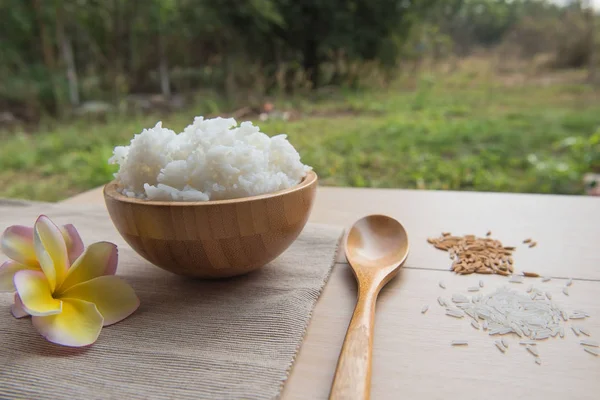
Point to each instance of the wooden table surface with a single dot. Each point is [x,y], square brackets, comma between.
[413,358]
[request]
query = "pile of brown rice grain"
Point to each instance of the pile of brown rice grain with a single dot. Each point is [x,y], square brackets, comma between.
[473,254]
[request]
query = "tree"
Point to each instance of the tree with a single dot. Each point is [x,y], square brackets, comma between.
[79,50]
[42,9]
[592,60]
[316,28]
[67,53]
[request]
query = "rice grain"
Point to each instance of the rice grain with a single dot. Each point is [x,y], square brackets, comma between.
[583,330]
[212,159]
[541,336]
[471,254]
[532,350]
[459,298]
[455,313]
[516,279]
[528,342]
[581,312]
[592,351]
[500,346]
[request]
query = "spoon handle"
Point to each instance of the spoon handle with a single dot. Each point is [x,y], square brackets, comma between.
[353,374]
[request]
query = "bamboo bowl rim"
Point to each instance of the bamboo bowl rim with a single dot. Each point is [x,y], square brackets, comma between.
[110,190]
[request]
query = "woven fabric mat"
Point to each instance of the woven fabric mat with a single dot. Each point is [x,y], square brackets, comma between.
[228,339]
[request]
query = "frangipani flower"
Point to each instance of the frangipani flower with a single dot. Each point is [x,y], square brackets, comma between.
[17,244]
[70,294]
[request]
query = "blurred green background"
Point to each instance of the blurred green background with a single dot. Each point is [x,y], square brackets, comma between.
[487,95]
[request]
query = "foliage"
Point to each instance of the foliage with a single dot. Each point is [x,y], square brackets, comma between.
[120,46]
[471,23]
[464,131]
[251,48]
[450,132]
[564,33]
[530,26]
[586,149]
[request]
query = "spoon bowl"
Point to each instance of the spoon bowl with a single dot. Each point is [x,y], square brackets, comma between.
[378,243]
[376,248]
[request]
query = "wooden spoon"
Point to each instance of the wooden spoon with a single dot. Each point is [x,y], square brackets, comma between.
[376,247]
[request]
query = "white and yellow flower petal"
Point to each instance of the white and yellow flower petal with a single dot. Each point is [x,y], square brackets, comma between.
[79,324]
[17,244]
[51,251]
[7,274]
[73,241]
[98,259]
[35,293]
[113,297]
[17,309]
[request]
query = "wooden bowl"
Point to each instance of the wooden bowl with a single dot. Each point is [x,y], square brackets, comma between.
[213,239]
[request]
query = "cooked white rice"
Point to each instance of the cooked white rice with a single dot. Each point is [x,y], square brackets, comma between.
[212,159]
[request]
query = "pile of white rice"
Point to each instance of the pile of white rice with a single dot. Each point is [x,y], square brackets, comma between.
[212,159]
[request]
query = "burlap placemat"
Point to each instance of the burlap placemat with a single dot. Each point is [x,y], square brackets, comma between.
[230,339]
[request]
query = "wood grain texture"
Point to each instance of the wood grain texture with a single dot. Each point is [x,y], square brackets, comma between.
[214,239]
[352,378]
[565,228]
[376,247]
[412,356]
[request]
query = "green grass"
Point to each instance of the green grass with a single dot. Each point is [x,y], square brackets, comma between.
[440,132]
